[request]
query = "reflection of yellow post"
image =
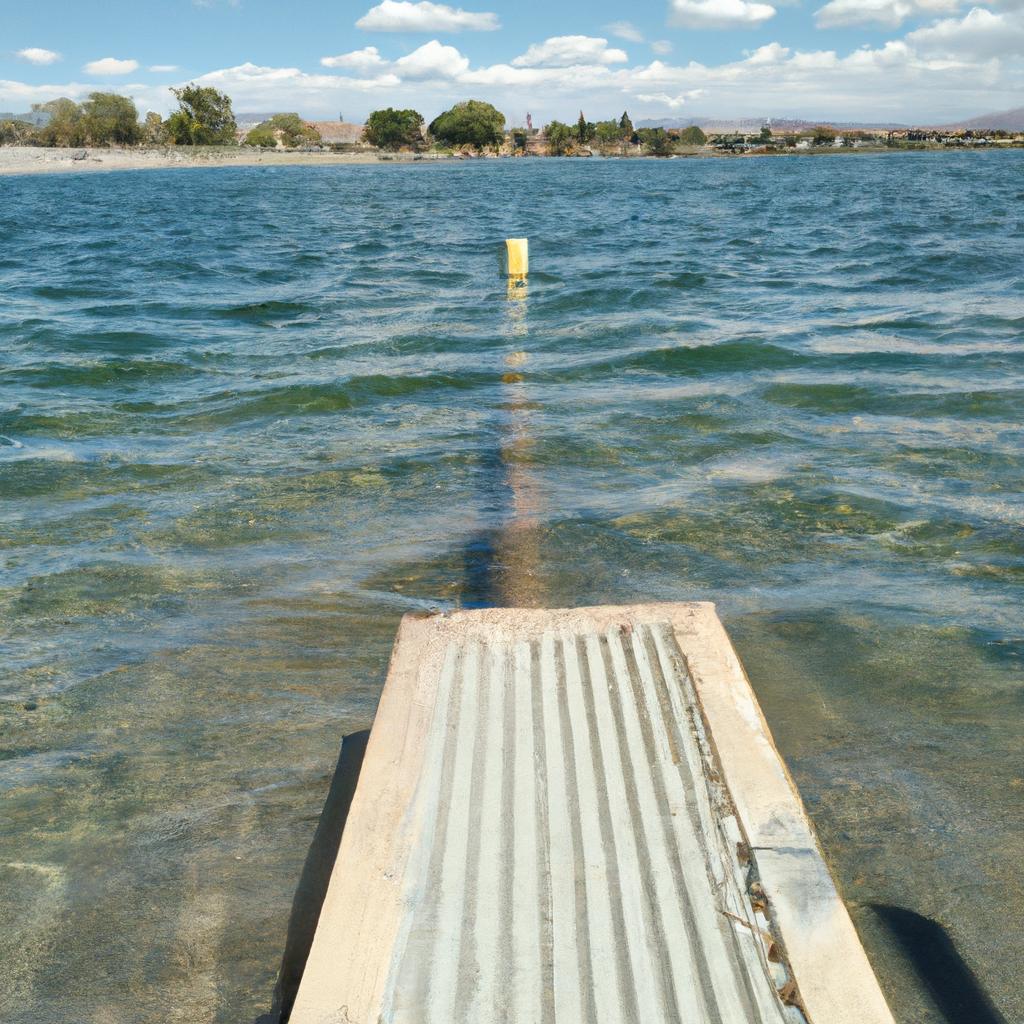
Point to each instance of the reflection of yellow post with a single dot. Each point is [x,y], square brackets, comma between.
[518,545]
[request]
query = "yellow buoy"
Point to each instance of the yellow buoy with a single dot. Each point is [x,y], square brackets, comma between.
[516,257]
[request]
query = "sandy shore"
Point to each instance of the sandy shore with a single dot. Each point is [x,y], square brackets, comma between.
[35,160]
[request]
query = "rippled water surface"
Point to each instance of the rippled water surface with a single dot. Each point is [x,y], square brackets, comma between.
[252,416]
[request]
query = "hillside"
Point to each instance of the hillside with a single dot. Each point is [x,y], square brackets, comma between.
[1006,120]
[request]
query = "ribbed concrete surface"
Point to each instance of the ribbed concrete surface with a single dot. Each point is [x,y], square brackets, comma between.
[578,817]
[574,870]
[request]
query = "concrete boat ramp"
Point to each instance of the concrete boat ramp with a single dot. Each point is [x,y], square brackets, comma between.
[577,816]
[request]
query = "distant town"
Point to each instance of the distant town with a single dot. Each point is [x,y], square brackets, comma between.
[474,128]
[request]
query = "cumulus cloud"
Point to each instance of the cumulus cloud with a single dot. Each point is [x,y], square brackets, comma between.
[567,51]
[719,13]
[405,16]
[432,60]
[37,55]
[163,69]
[366,59]
[770,53]
[838,13]
[661,47]
[980,34]
[954,68]
[625,30]
[111,66]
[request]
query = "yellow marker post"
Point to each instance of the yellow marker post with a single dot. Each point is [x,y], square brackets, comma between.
[516,258]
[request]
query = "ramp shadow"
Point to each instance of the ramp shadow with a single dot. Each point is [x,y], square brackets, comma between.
[316,875]
[949,982]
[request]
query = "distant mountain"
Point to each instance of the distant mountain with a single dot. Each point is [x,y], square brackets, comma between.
[32,117]
[250,120]
[752,125]
[1006,120]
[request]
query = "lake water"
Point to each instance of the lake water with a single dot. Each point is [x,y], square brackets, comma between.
[252,416]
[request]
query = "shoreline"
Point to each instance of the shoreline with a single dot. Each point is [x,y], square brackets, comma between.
[29,160]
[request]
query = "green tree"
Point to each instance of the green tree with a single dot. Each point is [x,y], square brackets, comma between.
[766,133]
[626,127]
[64,128]
[584,130]
[15,133]
[153,129]
[559,138]
[473,123]
[608,134]
[656,141]
[292,130]
[824,135]
[519,140]
[204,118]
[261,136]
[110,119]
[692,136]
[392,129]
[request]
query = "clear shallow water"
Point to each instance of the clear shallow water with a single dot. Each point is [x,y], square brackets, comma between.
[252,416]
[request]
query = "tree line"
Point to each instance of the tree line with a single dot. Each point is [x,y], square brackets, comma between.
[205,118]
[480,126]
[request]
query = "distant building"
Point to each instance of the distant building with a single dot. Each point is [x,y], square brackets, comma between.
[338,132]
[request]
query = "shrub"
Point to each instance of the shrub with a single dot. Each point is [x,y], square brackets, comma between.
[64,127]
[15,133]
[204,118]
[292,130]
[473,123]
[261,136]
[153,132]
[692,136]
[393,129]
[656,141]
[108,118]
[559,138]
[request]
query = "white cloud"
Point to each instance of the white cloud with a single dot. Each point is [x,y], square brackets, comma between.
[163,69]
[366,59]
[661,47]
[405,16]
[37,55]
[254,87]
[955,68]
[718,13]
[892,13]
[111,66]
[770,53]
[979,34]
[432,59]
[625,30]
[567,51]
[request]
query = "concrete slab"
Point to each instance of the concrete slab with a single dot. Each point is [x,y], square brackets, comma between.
[575,816]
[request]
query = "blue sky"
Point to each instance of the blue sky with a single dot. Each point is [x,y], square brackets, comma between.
[902,60]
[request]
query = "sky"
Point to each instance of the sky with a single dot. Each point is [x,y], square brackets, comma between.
[903,61]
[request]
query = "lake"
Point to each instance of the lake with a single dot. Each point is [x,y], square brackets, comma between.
[250,417]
